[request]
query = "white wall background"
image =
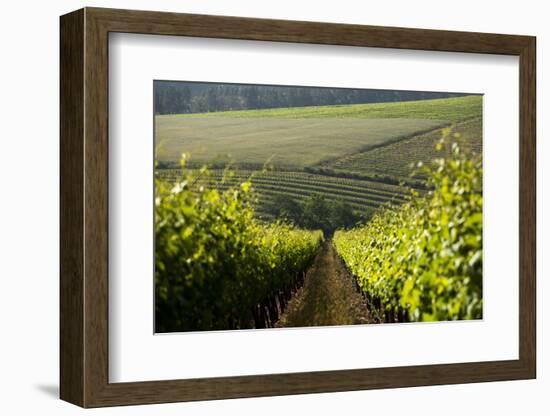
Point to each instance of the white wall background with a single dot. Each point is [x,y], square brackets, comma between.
[29,85]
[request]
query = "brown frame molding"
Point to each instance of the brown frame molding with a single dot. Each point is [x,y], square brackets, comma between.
[84,207]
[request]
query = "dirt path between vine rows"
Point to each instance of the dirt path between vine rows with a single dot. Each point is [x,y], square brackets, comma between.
[328,296]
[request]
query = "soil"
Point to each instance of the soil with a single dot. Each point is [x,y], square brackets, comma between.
[328,296]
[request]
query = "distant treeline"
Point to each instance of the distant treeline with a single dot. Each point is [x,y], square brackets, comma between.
[189,97]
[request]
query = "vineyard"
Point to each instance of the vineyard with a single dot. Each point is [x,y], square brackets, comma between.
[399,159]
[362,195]
[216,267]
[422,261]
[327,215]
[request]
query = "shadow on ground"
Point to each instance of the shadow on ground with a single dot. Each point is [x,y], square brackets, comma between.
[51,390]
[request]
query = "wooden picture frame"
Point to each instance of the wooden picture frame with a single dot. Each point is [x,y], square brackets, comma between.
[84,207]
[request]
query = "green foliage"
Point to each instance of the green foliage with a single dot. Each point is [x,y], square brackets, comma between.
[425,257]
[282,194]
[316,211]
[214,263]
[341,215]
[284,208]
[397,159]
[327,215]
[452,109]
[174,97]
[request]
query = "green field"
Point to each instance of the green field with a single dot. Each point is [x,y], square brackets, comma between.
[398,159]
[291,143]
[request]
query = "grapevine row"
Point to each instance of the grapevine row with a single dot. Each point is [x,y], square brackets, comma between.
[422,260]
[216,266]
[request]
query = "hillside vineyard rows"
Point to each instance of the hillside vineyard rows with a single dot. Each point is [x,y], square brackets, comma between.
[271,212]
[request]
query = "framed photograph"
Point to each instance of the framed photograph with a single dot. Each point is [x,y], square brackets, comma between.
[257,207]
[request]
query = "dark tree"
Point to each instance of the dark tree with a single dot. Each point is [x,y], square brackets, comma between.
[286,209]
[341,214]
[317,214]
[173,97]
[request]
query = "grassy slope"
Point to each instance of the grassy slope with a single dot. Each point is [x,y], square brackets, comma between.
[291,143]
[303,136]
[452,109]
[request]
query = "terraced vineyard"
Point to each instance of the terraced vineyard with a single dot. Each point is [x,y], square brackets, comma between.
[362,195]
[398,159]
